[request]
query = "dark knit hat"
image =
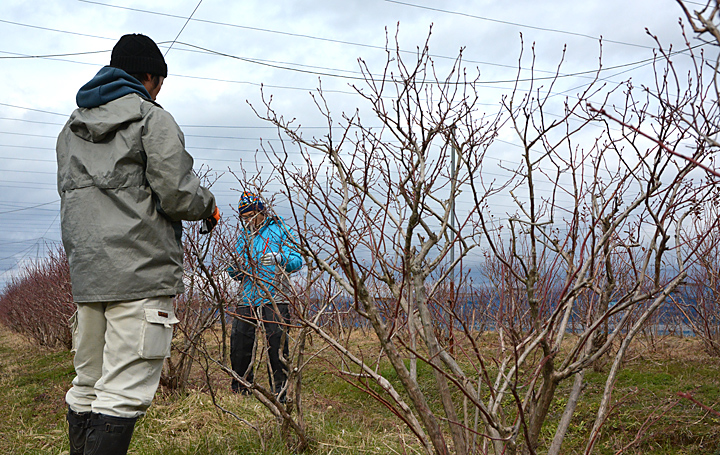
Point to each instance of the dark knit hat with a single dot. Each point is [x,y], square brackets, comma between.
[138,53]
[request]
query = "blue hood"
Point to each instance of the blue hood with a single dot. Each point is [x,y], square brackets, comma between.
[108,84]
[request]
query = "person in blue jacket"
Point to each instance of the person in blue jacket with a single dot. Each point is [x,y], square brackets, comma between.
[266,255]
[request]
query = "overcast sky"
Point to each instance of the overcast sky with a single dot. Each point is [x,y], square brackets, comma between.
[221,56]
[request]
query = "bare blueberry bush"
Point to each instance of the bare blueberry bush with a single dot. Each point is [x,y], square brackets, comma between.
[596,241]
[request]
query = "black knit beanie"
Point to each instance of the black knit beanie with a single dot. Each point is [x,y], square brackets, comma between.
[138,53]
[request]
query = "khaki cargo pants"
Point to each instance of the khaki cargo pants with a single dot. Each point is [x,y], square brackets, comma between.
[119,349]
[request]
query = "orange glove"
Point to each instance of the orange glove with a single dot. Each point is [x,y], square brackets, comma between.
[209,224]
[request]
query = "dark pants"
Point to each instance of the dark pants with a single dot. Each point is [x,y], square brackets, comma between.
[242,340]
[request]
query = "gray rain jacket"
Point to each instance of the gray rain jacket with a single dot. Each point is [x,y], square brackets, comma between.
[125,182]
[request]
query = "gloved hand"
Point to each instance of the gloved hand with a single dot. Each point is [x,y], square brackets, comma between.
[208,224]
[271,259]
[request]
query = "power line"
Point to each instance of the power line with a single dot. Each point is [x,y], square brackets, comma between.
[280,65]
[509,162]
[245,27]
[31,121]
[271,65]
[300,35]
[28,172]
[56,30]
[259,61]
[183,27]
[30,247]
[198,51]
[27,134]
[478,83]
[255,61]
[516,24]
[189,147]
[26,147]
[586,73]
[16,55]
[32,207]
[52,56]
[6,181]
[258,84]
[34,240]
[15,254]
[239,127]
[34,110]
[168,51]
[54,59]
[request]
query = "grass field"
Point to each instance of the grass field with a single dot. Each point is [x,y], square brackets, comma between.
[342,420]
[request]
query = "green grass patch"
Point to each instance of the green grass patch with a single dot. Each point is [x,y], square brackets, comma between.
[341,419]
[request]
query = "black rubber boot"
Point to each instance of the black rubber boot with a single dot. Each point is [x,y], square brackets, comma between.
[108,435]
[77,430]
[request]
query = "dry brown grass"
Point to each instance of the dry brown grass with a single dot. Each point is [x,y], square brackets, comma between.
[342,420]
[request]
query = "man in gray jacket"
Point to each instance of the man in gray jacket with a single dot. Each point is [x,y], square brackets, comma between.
[125,182]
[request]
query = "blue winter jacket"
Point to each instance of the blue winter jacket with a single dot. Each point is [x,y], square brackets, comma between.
[273,237]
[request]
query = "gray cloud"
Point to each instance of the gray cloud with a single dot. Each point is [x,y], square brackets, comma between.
[207,93]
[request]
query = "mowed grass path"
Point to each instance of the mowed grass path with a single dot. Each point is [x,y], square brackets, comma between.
[341,420]
[33,382]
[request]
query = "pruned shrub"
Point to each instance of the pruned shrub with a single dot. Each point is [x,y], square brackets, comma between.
[37,302]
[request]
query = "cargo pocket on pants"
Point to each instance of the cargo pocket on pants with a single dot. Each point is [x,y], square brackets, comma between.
[157,333]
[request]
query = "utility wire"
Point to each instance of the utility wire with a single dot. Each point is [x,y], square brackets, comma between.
[48,56]
[282,65]
[53,56]
[34,240]
[30,247]
[244,27]
[478,84]
[636,64]
[22,171]
[56,30]
[31,121]
[183,28]
[31,109]
[516,24]
[239,127]
[15,55]
[299,35]
[27,134]
[30,208]
[47,184]
[256,84]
